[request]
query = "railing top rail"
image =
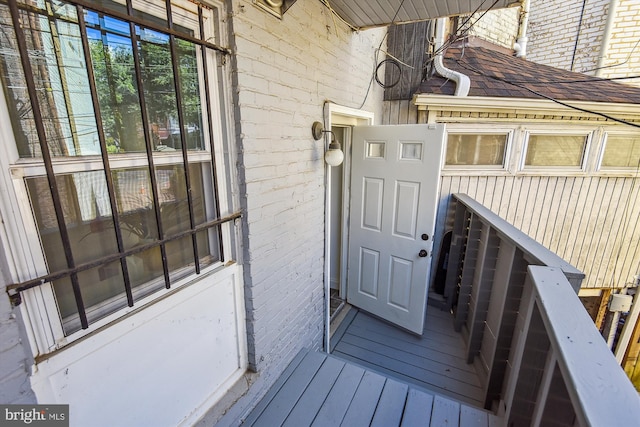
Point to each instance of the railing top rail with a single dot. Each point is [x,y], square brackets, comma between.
[600,391]
[510,233]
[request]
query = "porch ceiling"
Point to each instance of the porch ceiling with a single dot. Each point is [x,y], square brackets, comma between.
[368,13]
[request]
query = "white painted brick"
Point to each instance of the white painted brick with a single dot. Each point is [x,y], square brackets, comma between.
[14,380]
[286,70]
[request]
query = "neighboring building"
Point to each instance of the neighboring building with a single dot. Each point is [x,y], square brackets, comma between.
[599,38]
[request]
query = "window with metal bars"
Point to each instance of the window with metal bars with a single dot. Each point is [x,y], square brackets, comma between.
[115,111]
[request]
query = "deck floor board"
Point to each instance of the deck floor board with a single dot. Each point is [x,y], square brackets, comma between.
[323,390]
[435,361]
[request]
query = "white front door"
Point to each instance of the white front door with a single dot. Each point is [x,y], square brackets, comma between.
[395,177]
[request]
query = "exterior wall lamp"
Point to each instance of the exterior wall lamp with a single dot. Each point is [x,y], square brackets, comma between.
[334,155]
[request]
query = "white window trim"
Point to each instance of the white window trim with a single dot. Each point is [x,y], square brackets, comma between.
[613,170]
[479,129]
[19,233]
[588,133]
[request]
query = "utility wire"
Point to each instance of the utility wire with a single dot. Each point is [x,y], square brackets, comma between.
[619,63]
[375,62]
[463,33]
[585,80]
[541,95]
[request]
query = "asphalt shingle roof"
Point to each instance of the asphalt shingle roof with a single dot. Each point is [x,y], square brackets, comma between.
[489,70]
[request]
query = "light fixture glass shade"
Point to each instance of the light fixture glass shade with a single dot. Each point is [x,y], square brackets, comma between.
[334,155]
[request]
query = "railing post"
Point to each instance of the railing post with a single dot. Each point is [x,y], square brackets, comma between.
[458,240]
[488,250]
[501,318]
[468,272]
[521,331]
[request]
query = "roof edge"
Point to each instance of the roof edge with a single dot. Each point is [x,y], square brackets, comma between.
[433,102]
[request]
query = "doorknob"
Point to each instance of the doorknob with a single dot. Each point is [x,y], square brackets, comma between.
[423,253]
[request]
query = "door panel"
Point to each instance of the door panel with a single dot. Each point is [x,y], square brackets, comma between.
[372,204]
[394,186]
[405,209]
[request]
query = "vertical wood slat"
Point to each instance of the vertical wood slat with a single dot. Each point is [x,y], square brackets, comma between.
[559,408]
[482,289]
[496,311]
[531,372]
[407,43]
[590,231]
[468,272]
[629,239]
[585,220]
[545,384]
[458,239]
[609,235]
[517,351]
[507,317]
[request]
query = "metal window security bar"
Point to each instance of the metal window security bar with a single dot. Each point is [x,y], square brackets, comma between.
[73,268]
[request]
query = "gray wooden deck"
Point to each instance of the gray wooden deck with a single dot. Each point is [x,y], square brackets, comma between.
[322,390]
[434,361]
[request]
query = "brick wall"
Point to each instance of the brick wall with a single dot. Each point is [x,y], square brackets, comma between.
[285,70]
[622,56]
[14,378]
[498,26]
[554,27]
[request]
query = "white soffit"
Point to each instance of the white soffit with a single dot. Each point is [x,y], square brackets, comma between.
[372,13]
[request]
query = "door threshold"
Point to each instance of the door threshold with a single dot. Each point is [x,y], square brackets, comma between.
[338,317]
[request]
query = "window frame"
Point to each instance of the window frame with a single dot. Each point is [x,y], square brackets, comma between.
[479,129]
[20,236]
[600,155]
[589,135]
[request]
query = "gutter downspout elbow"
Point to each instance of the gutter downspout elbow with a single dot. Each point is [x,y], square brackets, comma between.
[462,81]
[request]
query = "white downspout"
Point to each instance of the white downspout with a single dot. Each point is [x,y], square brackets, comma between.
[462,81]
[606,37]
[521,42]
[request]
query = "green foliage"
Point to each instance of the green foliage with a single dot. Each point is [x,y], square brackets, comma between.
[116,83]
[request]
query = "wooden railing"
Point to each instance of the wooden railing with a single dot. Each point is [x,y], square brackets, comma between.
[540,358]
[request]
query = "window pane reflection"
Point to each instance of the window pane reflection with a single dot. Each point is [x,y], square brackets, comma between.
[59,66]
[622,151]
[114,71]
[59,70]
[555,150]
[89,222]
[476,149]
